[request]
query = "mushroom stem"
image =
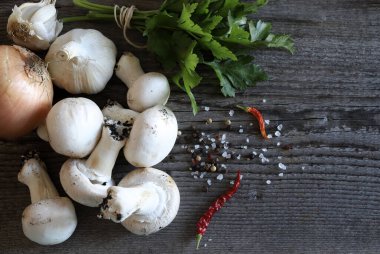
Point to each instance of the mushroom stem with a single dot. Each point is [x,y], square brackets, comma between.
[100,164]
[34,175]
[142,199]
[42,132]
[128,69]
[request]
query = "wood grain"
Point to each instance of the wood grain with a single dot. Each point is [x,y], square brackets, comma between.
[327,98]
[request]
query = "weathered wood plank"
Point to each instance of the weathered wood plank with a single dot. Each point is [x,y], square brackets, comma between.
[327,98]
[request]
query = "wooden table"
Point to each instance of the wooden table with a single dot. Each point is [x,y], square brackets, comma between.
[326,96]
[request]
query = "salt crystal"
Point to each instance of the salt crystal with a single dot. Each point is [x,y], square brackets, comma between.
[247,140]
[250,124]
[212,140]
[207,108]
[264,100]
[213,145]
[277,133]
[279,157]
[281,174]
[228,156]
[183,146]
[207,147]
[264,149]
[303,168]
[278,143]
[269,181]
[225,145]
[195,177]
[196,146]
[267,121]
[244,147]
[224,154]
[200,140]
[209,182]
[203,133]
[205,245]
[280,127]
[202,175]
[232,182]
[223,166]
[210,240]
[282,166]
[231,113]
[220,177]
[261,156]
[269,136]
[192,150]
[238,157]
[241,130]
[254,153]
[241,177]
[224,137]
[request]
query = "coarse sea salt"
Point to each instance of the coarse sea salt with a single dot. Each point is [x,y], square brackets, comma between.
[282,166]
[280,127]
[241,130]
[269,181]
[207,108]
[209,182]
[281,174]
[220,177]
[267,121]
[231,112]
[278,143]
[269,136]
[277,133]
[264,149]
[247,140]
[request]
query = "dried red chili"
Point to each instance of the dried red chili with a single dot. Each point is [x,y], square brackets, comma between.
[204,221]
[258,116]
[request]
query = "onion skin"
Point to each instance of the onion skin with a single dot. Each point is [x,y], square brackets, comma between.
[26,91]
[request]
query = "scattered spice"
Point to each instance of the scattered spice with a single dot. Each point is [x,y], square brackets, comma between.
[204,221]
[253,111]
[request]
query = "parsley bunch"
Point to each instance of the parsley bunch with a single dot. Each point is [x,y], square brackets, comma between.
[184,34]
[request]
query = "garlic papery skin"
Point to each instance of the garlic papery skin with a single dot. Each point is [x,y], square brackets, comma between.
[34,25]
[81,61]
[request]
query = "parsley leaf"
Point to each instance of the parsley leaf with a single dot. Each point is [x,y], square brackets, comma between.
[237,75]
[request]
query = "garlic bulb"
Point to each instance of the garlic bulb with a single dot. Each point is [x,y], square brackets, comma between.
[34,25]
[81,61]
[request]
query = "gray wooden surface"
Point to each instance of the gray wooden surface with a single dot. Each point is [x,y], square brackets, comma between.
[327,98]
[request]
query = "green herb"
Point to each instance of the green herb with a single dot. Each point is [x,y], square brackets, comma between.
[185,34]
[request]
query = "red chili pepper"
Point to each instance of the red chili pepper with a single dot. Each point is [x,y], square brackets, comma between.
[204,221]
[258,116]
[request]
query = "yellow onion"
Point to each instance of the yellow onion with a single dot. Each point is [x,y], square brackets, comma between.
[26,91]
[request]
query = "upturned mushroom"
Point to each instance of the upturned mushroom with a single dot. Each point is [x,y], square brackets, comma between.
[152,137]
[145,201]
[73,127]
[87,181]
[115,111]
[50,219]
[145,90]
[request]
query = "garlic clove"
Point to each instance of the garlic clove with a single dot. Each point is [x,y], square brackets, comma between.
[34,25]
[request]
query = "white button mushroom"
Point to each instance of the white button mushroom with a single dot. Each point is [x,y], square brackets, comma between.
[145,201]
[144,90]
[50,219]
[86,181]
[153,136]
[73,127]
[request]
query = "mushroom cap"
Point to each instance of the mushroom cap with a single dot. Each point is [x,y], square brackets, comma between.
[146,224]
[50,221]
[74,126]
[149,90]
[78,185]
[152,137]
